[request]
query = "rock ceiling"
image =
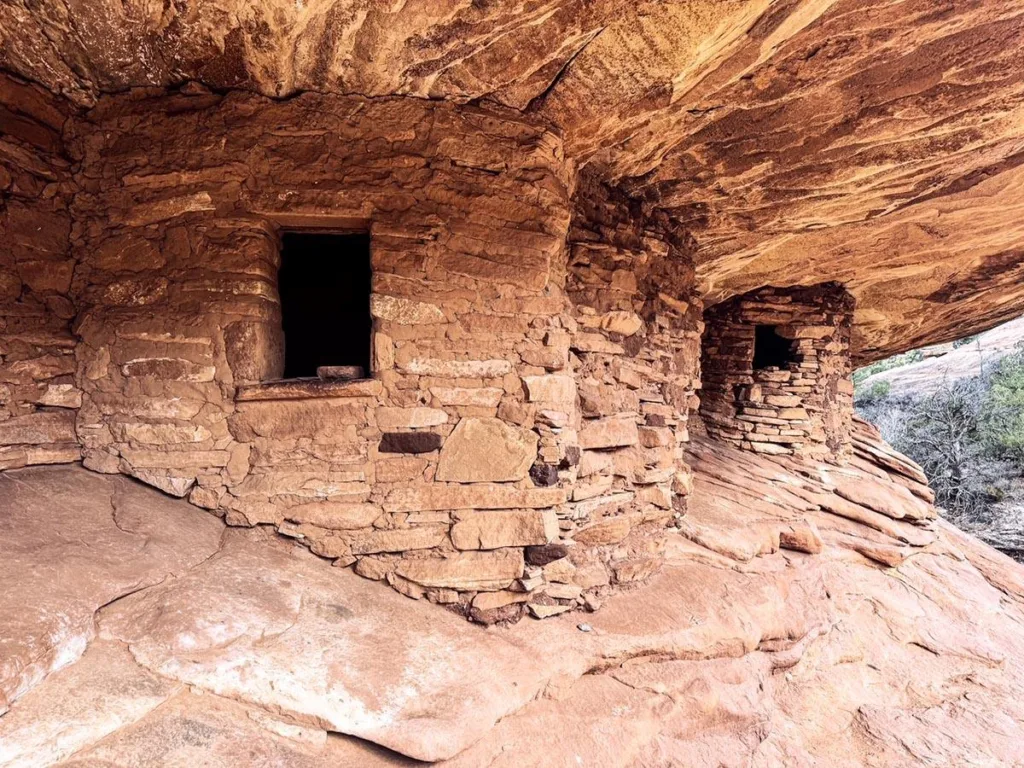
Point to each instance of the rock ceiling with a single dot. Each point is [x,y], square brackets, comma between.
[877,142]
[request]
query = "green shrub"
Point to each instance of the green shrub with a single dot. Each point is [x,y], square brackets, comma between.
[1001,422]
[868,395]
[880,389]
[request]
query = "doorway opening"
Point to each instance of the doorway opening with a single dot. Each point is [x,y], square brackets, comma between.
[770,349]
[324,285]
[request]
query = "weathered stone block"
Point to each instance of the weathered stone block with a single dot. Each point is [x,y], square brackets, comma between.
[334,515]
[399,468]
[398,540]
[476,496]
[623,323]
[409,418]
[595,342]
[611,530]
[457,369]
[656,437]
[175,369]
[127,253]
[38,428]
[254,350]
[609,433]
[553,388]
[486,450]
[500,528]
[545,611]
[157,459]
[60,396]
[483,397]
[405,311]
[560,570]
[783,401]
[161,434]
[468,571]
[295,419]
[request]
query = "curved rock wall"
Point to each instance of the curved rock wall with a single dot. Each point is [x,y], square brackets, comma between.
[38,395]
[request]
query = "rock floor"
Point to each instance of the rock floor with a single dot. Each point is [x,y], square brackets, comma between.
[136,630]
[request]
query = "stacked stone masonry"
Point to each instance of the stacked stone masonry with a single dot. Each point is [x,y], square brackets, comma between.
[802,406]
[518,445]
[420,475]
[636,363]
[38,394]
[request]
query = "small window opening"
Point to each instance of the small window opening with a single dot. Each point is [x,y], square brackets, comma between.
[770,349]
[324,284]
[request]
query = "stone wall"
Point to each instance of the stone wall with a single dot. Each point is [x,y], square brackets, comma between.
[38,396]
[464,471]
[535,353]
[804,406]
[636,356]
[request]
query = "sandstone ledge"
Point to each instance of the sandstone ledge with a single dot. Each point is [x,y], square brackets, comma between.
[280,645]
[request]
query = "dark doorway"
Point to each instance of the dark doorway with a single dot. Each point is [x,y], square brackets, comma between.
[770,349]
[324,283]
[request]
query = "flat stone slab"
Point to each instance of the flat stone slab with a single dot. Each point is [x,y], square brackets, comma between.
[212,732]
[72,541]
[267,622]
[79,705]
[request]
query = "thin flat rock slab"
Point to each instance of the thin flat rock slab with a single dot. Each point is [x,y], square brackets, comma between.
[72,541]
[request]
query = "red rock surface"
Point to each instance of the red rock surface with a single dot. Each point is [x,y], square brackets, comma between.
[897,644]
[71,542]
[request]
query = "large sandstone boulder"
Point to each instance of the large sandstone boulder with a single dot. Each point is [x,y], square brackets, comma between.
[72,541]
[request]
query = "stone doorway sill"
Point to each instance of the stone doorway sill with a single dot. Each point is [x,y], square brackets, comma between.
[307,389]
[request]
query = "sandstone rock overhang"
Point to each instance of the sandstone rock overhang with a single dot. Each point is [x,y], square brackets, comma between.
[799,141]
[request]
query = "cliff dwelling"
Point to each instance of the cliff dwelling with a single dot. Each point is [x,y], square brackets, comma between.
[776,371]
[474,381]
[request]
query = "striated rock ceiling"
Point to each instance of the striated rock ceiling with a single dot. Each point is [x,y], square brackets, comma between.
[877,142]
